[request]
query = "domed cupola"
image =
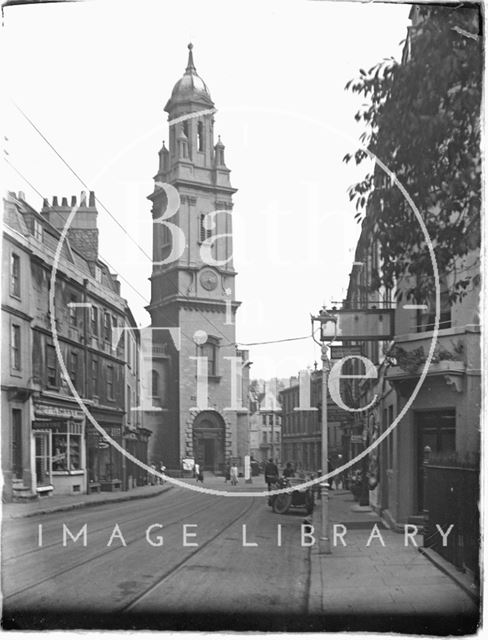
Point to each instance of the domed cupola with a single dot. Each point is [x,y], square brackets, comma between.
[190,89]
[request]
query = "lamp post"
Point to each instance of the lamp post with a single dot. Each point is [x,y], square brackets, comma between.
[323,319]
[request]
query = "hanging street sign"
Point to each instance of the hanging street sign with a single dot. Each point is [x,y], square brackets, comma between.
[361,324]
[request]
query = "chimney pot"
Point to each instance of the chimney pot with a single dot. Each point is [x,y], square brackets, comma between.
[45,204]
[55,201]
[64,202]
[83,199]
[21,195]
[73,201]
[91,202]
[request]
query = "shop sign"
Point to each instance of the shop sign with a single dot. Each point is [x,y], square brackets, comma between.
[356,440]
[48,411]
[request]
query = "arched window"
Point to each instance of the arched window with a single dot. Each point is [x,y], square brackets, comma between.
[185,127]
[154,384]
[210,351]
[200,136]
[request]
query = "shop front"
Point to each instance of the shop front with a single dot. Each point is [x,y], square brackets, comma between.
[105,463]
[58,450]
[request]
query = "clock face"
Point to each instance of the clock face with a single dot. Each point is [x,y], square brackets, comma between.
[208,279]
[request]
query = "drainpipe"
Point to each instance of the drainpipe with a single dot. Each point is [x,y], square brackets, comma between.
[86,320]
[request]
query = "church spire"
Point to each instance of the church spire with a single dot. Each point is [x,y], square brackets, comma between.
[190,67]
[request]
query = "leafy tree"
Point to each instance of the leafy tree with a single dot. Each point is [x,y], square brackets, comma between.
[422,120]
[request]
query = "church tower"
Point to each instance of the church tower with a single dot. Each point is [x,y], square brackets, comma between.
[193,290]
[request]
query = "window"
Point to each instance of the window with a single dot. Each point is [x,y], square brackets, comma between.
[38,231]
[204,233]
[107,327]
[15,275]
[94,376]
[200,136]
[98,274]
[94,320]
[128,403]
[209,351]
[15,347]
[426,317]
[73,372]
[185,128]
[17,443]
[51,366]
[73,313]
[110,382]
[154,384]
[66,446]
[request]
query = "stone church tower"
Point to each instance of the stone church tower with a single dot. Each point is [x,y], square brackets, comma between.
[192,289]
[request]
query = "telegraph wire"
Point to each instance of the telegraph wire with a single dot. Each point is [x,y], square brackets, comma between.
[78,177]
[66,163]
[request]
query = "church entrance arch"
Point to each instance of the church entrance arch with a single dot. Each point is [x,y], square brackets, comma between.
[209,441]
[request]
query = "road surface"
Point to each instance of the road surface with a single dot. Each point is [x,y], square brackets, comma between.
[156,563]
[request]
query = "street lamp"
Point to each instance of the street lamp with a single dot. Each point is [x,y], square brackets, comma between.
[324,318]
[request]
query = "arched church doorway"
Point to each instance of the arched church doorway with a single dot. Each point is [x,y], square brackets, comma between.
[209,441]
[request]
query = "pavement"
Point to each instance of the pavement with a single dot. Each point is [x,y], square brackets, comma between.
[55,503]
[391,580]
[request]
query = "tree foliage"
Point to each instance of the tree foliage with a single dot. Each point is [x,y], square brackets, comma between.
[422,119]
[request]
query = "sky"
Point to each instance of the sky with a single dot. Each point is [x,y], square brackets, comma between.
[94,78]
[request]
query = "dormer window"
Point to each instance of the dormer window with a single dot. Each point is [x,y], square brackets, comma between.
[200,136]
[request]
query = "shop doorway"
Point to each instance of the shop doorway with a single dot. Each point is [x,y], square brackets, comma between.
[437,430]
[42,458]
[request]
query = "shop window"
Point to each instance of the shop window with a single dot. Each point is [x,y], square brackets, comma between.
[17,443]
[51,366]
[15,347]
[66,446]
[15,275]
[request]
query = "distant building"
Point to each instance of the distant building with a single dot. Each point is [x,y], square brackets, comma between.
[302,430]
[48,443]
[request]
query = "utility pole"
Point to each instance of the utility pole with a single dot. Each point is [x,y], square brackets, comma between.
[324,318]
[324,486]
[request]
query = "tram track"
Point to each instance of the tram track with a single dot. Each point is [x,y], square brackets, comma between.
[107,527]
[171,572]
[93,558]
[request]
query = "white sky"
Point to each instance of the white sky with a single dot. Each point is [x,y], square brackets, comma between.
[95,76]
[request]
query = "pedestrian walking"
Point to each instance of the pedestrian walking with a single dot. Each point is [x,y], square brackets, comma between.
[162,468]
[153,479]
[227,473]
[271,473]
[289,472]
[234,474]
